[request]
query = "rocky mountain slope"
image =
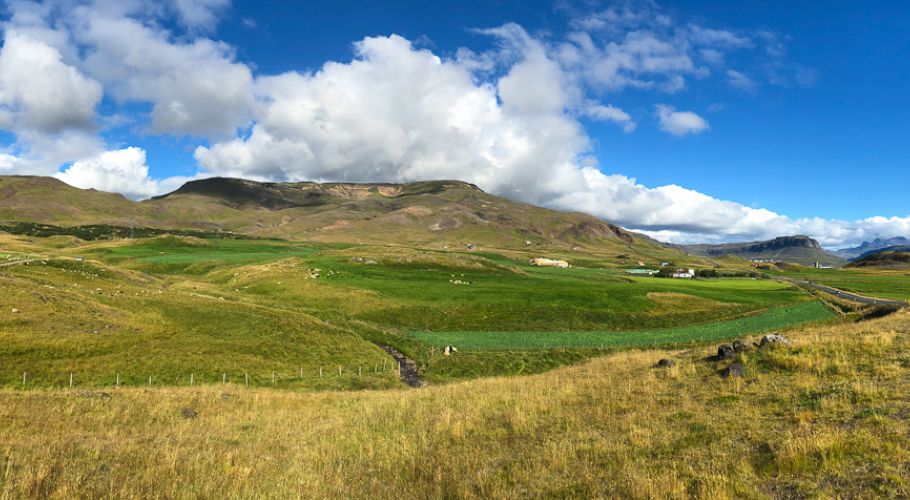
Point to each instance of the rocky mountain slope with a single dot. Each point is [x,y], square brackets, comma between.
[794,249]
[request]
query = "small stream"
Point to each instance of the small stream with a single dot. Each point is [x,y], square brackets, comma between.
[407,366]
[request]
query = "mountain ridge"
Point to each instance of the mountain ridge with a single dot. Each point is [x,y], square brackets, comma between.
[798,249]
[869,246]
[442,212]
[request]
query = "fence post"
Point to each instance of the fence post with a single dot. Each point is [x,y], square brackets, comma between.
[23,379]
[150,380]
[359,371]
[224,378]
[301,372]
[71,380]
[273,378]
[246,377]
[191,378]
[320,372]
[118,380]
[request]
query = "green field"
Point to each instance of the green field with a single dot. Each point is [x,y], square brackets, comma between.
[884,283]
[172,308]
[773,319]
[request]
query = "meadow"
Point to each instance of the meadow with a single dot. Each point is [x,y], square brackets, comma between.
[826,418]
[178,310]
[884,283]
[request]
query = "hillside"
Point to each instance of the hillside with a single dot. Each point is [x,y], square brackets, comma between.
[436,214]
[891,258]
[826,418]
[871,246]
[793,249]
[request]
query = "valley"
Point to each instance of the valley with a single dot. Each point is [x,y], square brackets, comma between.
[233,340]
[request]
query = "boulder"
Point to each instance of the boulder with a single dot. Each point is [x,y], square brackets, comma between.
[741,346]
[666,363]
[774,339]
[736,370]
[725,351]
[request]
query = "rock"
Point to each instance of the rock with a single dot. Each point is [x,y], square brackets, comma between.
[725,351]
[189,413]
[734,370]
[15,311]
[666,363]
[741,346]
[774,339]
[89,394]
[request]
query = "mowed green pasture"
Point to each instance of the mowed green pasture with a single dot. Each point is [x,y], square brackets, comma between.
[776,318]
[433,297]
[884,283]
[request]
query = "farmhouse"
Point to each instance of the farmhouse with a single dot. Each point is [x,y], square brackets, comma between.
[684,273]
[544,262]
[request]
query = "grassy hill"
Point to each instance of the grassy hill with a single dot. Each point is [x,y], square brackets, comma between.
[892,258]
[825,418]
[175,306]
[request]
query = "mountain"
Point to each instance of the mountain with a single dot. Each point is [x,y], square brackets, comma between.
[890,258]
[433,213]
[793,249]
[869,246]
[45,199]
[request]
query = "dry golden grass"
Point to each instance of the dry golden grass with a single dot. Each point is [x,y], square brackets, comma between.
[827,417]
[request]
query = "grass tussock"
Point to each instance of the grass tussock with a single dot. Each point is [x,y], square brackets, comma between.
[826,417]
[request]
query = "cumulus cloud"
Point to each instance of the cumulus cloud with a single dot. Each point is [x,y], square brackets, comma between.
[119,171]
[195,87]
[399,113]
[680,123]
[39,91]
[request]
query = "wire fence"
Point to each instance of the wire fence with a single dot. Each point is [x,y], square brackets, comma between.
[26,379]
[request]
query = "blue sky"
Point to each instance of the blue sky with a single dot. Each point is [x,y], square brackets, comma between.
[692,121]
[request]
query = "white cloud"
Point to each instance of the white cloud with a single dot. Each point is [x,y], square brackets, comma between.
[39,91]
[200,14]
[195,87]
[740,81]
[120,171]
[610,113]
[680,123]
